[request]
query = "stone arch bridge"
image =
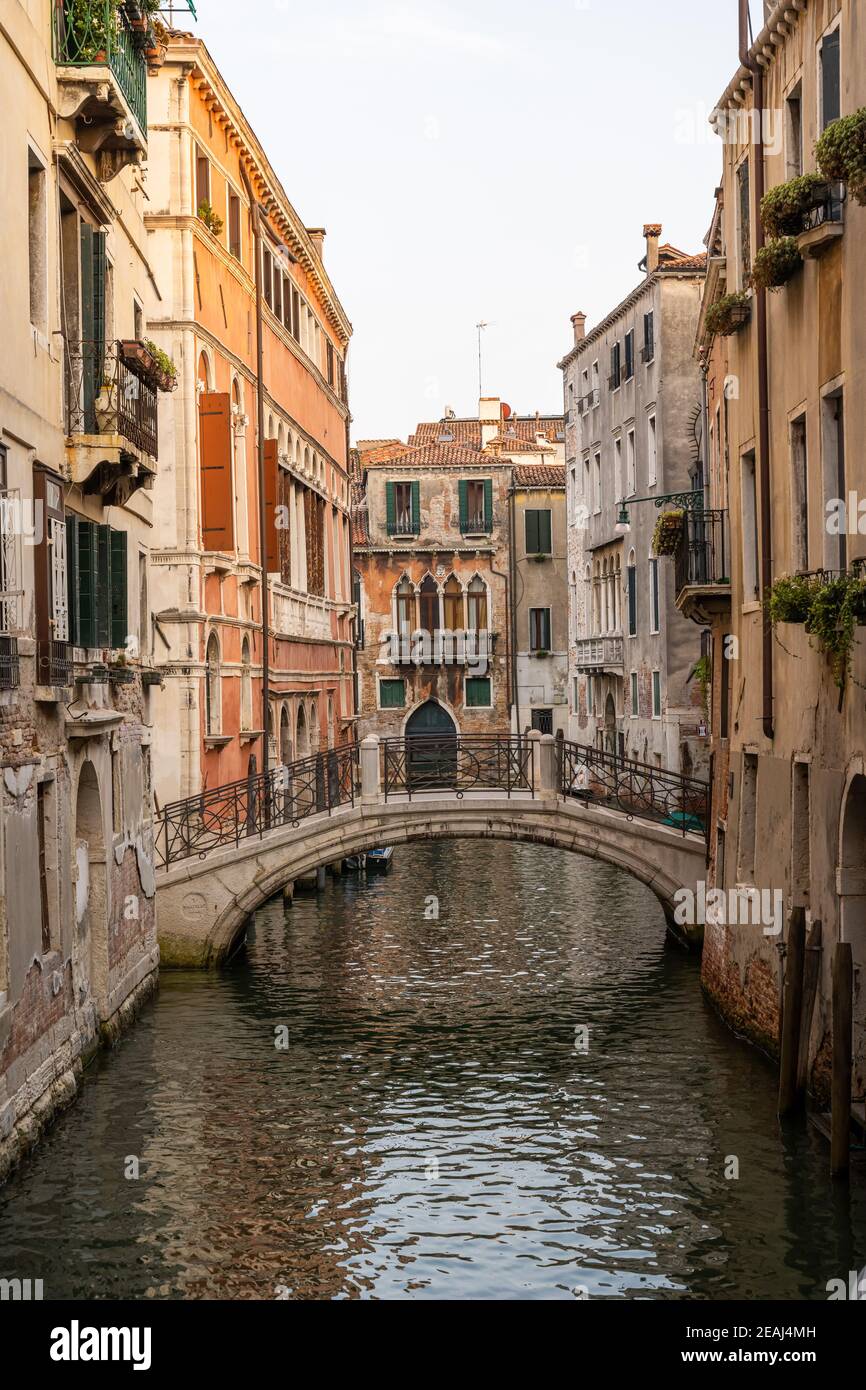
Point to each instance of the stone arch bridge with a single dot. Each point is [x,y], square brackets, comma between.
[225,852]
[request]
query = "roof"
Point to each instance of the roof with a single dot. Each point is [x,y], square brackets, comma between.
[670,258]
[382,453]
[503,445]
[546,475]
[469,432]
[364,446]
[441,456]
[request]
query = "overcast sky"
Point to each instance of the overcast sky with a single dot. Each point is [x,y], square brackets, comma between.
[492,159]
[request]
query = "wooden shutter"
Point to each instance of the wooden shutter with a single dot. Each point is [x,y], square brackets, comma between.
[284,483]
[103,586]
[99,276]
[119,594]
[215,446]
[545,544]
[72,578]
[86,597]
[632,600]
[532,542]
[463,491]
[416,508]
[830,79]
[272,501]
[391,507]
[488,503]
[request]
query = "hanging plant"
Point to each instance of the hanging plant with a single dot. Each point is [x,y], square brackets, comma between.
[668,533]
[776,263]
[211,219]
[831,607]
[704,675]
[791,599]
[784,207]
[841,153]
[165,370]
[729,314]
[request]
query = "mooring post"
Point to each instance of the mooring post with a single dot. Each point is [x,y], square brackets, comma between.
[370,778]
[811,975]
[840,1119]
[792,1012]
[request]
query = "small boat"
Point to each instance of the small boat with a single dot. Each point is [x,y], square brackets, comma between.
[379,861]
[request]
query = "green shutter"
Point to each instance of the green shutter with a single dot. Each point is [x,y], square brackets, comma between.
[416,508]
[463,490]
[478,692]
[89,385]
[86,604]
[72,577]
[103,586]
[545,545]
[531,533]
[119,614]
[488,503]
[99,278]
[391,507]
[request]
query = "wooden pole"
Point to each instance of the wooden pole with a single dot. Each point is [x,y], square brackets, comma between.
[840,1136]
[811,975]
[792,1012]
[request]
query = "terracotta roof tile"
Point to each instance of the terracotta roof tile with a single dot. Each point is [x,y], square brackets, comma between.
[468,432]
[551,475]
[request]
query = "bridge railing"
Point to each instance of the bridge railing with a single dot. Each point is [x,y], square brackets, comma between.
[248,809]
[647,793]
[475,762]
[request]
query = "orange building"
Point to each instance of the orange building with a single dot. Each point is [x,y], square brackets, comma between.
[214,198]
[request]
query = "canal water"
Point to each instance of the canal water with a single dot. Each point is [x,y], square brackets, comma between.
[522,1096]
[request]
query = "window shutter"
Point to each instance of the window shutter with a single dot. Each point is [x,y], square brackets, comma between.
[215,446]
[271,504]
[99,297]
[463,491]
[545,543]
[830,79]
[488,503]
[89,385]
[119,597]
[103,586]
[72,577]
[416,508]
[86,598]
[632,600]
[391,507]
[532,533]
[545,629]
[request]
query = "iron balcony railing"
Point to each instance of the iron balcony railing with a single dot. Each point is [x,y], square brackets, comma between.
[476,525]
[642,792]
[829,209]
[106,394]
[703,558]
[54,664]
[96,33]
[10,675]
[250,808]
[456,763]
[402,526]
[600,653]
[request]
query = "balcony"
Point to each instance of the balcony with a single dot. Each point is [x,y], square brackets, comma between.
[703,567]
[54,665]
[402,526]
[111,420]
[823,224]
[477,525]
[598,654]
[9,669]
[442,648]
[102,78]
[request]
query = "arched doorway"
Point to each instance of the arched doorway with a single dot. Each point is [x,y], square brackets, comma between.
[285,738]
[431,753]
[852,870]
[610,724]
[91,896]
[303,739]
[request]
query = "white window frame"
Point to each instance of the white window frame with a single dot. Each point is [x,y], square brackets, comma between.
[652,447]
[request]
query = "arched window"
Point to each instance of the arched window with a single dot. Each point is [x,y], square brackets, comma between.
[204,372]
[429,595]
[453,600]
[212,687]
[632,594]
[246,687]
[617,596]
[331,722]
[405,608]
[476,605]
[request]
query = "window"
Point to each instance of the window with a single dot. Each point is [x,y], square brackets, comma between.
[794,132]
[830,74]
[476,506]
[657,695]
[405,608]
[590,700]
[278,294]
[598,489]
[478,692]
[744,222]
[652,451]
[287,304]
[453,604]
[234,225]
[629,354]
[392,694]
[542,721]
[749,503]
[539,629]
[96,572]
[800,495]
[246,687]
[403,508]
[725,698]
[615,366]
[476,604]
[37,208]
[596,393]
[635,704]
[429,603]
[296,315]
[632,595]
[835,488]
[649,346]
[655,614]
[617,469]
[330,365]
[202,180]
[213,688]
[268,277]
[538,533]
[630,465]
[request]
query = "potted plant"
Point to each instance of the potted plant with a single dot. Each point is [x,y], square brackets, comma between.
[830,607]
[791,599]
[729,314]
[211,219]
[775,263]
[783,208]
[841,153]
[668,532]
[137,354]
[164,370]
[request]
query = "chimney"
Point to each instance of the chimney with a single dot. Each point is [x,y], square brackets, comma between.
[652,231]
[490,415]
[317,237]
[578,323]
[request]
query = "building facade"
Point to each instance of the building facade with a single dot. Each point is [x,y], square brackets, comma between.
[785,390]
[213,187]
[79,454]
[433,572]
[539,585]
[633,399]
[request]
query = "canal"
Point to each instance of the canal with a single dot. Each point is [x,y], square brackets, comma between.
[524,1096]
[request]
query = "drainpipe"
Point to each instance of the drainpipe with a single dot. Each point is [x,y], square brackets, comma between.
[256,216]
[763,377]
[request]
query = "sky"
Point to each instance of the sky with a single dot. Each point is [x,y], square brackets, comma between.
[493,160]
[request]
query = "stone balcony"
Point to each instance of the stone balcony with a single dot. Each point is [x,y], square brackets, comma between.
[112,436]
[597,654]
[101,68]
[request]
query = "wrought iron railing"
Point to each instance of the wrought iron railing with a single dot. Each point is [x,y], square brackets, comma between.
[9,668]
[828,209]
[457,763]
[108,394]
[92,33]
[402,526]
[644,792]
[54,664]
[475,525]
[703,558]
[250,808]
